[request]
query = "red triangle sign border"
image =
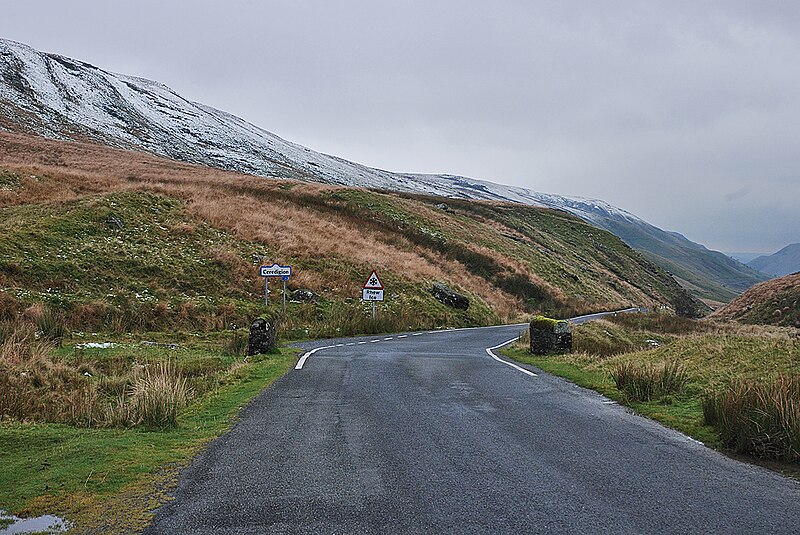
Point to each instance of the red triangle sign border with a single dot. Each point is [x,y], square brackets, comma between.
[373,282]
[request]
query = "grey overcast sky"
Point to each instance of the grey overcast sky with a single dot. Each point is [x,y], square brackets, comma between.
[686,113]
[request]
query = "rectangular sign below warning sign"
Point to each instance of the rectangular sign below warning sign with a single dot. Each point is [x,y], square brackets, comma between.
[368,294]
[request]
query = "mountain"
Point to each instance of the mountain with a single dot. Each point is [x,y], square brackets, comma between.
[784,262]
[62,98]
[775,302]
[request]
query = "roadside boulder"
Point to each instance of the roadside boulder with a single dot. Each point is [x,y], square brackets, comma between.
[303,295]
[262,337]
[550,336]
[449,297]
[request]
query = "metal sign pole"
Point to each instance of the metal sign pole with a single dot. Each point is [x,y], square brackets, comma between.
[284,296]
[266,291]
[373,311]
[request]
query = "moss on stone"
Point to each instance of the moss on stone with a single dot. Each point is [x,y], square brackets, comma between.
[545,323]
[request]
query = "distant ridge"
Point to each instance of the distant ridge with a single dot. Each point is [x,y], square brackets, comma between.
[62,98]
[784,262]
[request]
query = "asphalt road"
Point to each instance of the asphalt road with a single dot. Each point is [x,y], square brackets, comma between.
[428,433]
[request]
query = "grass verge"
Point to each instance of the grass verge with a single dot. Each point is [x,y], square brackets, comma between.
[669,372]
[61,469]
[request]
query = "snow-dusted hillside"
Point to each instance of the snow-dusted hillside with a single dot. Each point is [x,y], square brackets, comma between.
[62,98]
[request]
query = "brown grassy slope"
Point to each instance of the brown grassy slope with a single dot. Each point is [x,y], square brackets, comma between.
[775,302]
[496,252]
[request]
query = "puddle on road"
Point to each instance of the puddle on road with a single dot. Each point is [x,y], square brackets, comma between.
[40,524]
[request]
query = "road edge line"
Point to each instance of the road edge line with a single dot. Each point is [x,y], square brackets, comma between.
[498,359]
[304,358]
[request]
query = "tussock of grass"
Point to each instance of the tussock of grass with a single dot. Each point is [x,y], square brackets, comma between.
[643,382]
[758,418]
[57,468]
[157,396]
[604,339]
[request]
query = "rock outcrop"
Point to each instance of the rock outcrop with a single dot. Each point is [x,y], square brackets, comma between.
[449,297]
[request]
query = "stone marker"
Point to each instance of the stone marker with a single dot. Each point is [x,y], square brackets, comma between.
[449,297]
[550,336]
[262,337]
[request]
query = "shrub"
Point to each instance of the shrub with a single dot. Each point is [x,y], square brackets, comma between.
[761,419]
[644,382]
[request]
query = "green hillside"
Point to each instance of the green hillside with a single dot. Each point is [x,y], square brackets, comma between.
[126,249]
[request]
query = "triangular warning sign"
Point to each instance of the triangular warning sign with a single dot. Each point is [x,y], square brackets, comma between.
[373,282]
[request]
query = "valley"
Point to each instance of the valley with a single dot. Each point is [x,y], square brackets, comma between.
[133,225]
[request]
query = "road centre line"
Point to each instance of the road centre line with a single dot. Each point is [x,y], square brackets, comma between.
[303,359]
[498,359]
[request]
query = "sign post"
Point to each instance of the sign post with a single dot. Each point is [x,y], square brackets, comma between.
[285,278]
[275,270]
[372,291]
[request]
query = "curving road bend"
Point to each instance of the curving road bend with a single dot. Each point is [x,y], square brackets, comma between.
[426,432]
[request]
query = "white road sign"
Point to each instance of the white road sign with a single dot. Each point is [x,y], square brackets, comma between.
[368,294]
[275,271]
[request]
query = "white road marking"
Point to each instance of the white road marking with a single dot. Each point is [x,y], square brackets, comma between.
[304,358]
[498,359]
[478,328]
